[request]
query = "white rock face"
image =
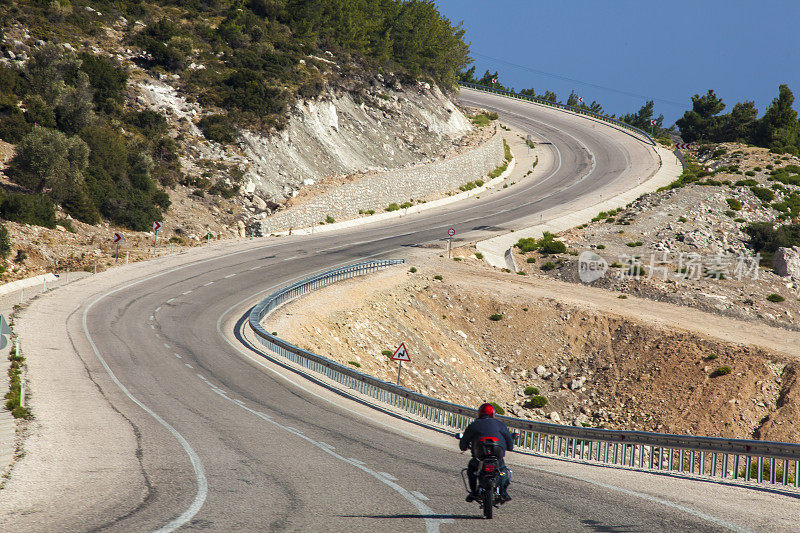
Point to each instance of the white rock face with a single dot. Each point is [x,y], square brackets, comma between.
[540,370]
[786,262]
[554,416]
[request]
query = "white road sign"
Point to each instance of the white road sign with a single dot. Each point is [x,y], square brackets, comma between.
[5,331]
[401,353]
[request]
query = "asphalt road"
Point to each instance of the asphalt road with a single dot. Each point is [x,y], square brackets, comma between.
[228,442]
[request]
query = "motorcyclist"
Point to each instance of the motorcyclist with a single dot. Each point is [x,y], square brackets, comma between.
[486,426]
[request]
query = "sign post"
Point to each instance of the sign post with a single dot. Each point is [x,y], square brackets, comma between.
[156,227]
[400,355]
[450,234]
[117,239]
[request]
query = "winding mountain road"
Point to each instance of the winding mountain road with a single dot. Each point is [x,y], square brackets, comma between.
[225,440]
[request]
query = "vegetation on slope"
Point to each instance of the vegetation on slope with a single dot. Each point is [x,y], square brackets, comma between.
[84,146]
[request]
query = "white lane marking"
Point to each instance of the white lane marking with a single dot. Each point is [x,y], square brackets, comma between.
[388,476]
[201,377]
[207,284]
[290,258]
[152,318]
[431,523]
[255,267]
[229,276]
[187,292]
[178,356]
[152,326]
[197,465]
[326,445]
[170,300]
[419,495]
[648,497]
[166,346]
[158,336]
[190,366]
[158,309]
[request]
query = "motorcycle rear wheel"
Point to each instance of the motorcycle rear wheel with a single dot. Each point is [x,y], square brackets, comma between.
[488,503]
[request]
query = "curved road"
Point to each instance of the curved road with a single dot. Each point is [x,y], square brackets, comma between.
[229,442]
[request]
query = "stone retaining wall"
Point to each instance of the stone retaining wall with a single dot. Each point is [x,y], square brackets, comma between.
[379,190]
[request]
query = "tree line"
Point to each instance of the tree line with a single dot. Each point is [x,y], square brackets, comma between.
[640,119]
[778,129]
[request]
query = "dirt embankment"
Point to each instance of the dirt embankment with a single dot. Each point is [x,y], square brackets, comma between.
[598,360]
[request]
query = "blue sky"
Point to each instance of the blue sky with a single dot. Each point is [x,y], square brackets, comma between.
[627,52]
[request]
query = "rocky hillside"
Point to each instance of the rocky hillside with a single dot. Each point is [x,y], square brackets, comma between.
[720,239]
[479,335]
[204,116]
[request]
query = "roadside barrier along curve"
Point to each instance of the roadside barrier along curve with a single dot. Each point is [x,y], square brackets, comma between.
[565,107]
[748,461]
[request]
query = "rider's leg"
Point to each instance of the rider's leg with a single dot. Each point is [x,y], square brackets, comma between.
[472,475]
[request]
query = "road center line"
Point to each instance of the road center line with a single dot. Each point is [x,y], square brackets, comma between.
[178,356]
[431,523]
[190,366]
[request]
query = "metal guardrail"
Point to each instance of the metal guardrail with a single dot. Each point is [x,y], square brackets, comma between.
[577,110]
[738,459]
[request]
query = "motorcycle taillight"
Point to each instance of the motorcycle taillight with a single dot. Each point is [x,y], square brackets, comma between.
[488,468]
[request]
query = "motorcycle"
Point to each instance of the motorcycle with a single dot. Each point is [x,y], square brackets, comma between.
[491,477]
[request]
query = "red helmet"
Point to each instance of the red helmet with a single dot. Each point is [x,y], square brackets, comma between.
[486,409]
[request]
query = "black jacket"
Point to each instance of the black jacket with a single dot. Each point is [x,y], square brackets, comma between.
[487,427]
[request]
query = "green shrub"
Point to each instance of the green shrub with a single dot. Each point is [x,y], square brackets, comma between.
[722,371]
[681,219]
[495,317]
[530,260]
[218,128]
[478,255]
[712,356]
[530,390]
[393,207]
[746,183]
[730,213]
[412,269]
[438,277]
[634,244]
[763,194]
[387,353]
[354,363]
[749,173]
[527,244]
[329,219]
[497,409]
[601,246]
[406,205]
[35,209]
[537,401]
[548,266]
[551,246]
[734,204]
[777,298]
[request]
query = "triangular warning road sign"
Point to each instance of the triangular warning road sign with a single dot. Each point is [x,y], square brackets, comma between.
[401,353]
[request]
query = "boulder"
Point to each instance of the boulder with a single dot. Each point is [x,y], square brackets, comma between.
[786,262]
[555,417]
[577,383]
[541,370]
